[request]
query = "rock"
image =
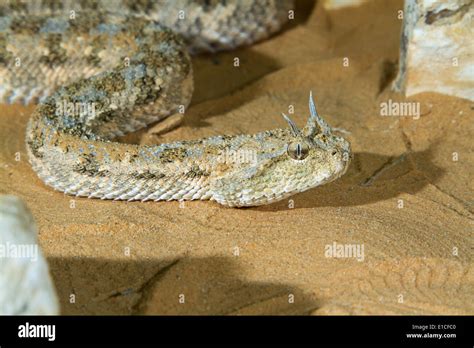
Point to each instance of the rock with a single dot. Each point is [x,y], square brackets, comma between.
[437,48]
[25,284]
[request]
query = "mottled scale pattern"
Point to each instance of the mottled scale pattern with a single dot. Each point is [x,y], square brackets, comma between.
[101,69]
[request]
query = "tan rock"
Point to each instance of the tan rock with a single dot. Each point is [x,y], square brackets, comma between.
[437,48]
[25,284]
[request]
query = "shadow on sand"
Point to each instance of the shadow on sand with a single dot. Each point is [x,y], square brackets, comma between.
[210,285]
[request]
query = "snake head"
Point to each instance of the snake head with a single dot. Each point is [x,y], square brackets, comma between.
[287,161]
[316,148]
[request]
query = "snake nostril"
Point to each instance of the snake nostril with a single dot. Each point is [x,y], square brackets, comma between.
[334,153]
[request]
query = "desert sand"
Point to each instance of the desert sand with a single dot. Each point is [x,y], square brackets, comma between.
[407,197]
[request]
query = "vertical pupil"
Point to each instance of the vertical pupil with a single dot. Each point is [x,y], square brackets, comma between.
[298,150]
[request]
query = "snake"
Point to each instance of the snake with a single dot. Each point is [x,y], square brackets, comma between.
[99,69]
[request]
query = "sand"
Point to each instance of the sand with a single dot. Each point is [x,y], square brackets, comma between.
[407,197]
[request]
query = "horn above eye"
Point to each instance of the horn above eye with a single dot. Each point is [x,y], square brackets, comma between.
[294,128]
[315,123]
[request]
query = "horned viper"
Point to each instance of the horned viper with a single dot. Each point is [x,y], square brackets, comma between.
[100,69]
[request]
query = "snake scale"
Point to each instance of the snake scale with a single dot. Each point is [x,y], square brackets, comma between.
[100,69]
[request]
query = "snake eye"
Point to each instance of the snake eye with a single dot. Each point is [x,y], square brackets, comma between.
[298,151]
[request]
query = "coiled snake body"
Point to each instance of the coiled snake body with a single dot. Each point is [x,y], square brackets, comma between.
[100,69]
